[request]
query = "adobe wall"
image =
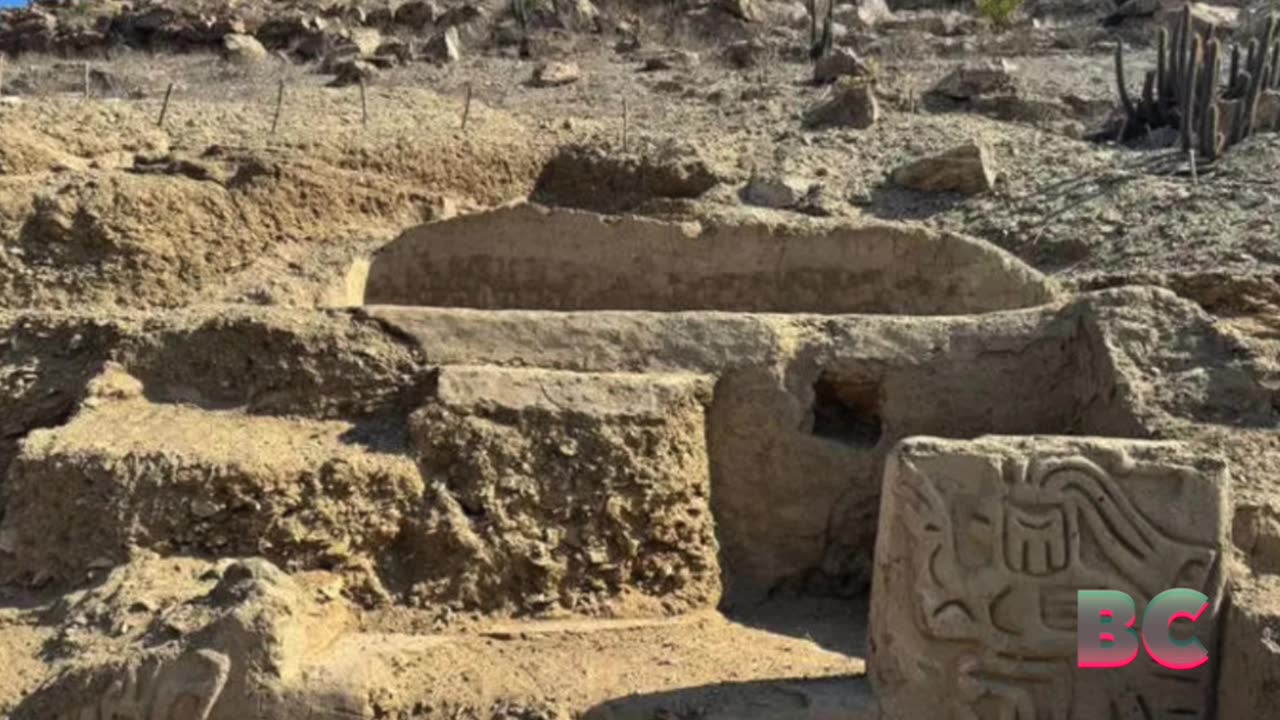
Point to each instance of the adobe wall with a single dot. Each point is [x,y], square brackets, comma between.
[529,257]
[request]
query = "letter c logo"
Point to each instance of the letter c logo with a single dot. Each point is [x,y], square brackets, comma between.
[1157,626]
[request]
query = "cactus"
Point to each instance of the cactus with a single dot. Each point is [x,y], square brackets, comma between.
[1162,66]
[1129,110]
[520,11]
[812,6]
[1150,104]
[1233,79]
[1251,103]
[1208,88]
[1207,93]
[1187,115]
[1275,63]
[1184,90]
[1242,103]
[828,27]
[1185,33]
[1209,135]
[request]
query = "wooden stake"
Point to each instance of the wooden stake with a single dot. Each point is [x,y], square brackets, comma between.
[624,124]
[275,121]
[364,106]
[466,108]
[86,81]
[1192,155]
[164,109]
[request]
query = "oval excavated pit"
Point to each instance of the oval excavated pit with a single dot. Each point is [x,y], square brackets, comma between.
[529,257]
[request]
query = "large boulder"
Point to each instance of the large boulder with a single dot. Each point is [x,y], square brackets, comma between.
[775,191]
[970,80]
[555,74]
[965,169]
[745,10]
[243,50]
[841,62]
[417,14]
[352,72]
[851,103]
[443,47]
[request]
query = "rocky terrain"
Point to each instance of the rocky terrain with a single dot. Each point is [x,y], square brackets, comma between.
[530,359]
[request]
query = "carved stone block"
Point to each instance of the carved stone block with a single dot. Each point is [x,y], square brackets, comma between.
[982,547]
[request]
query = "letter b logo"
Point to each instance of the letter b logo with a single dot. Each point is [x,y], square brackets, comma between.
[1106,638]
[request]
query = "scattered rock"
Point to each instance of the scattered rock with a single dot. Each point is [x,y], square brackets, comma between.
[365,41]
[745,10]
[774,191]
[29,31]
[443,47]
[1252,22]
[113,383]
[628,42]
[243,50]
[745,54]
[865,15]
[972,79]
[852,103]
[393,52]
[840,62]
[555,74]
[460,16]
[670,60]
[305,37]
[352,72]
[379,16]
[965,169]
[943,24]
[204,509]
[1087,107]
[1223,20]
[104,83]
[567,14]
[417,14]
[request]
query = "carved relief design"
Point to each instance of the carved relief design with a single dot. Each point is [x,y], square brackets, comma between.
[985,553]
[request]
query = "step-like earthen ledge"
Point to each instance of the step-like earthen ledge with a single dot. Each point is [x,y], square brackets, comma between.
[638,395]
[530,257]
[131,474]
[554,489]
[983,546]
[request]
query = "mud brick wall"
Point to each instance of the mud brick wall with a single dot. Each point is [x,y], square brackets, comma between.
[563,489]
[527,257]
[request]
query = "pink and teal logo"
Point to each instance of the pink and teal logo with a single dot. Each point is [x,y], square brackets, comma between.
[1106,638]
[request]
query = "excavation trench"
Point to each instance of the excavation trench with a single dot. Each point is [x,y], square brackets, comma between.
[643,439]
[804,410]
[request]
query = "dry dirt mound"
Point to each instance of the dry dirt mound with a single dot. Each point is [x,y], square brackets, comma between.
[26,151]
[119,221]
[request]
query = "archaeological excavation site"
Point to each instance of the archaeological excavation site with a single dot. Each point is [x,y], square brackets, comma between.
[627,360]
